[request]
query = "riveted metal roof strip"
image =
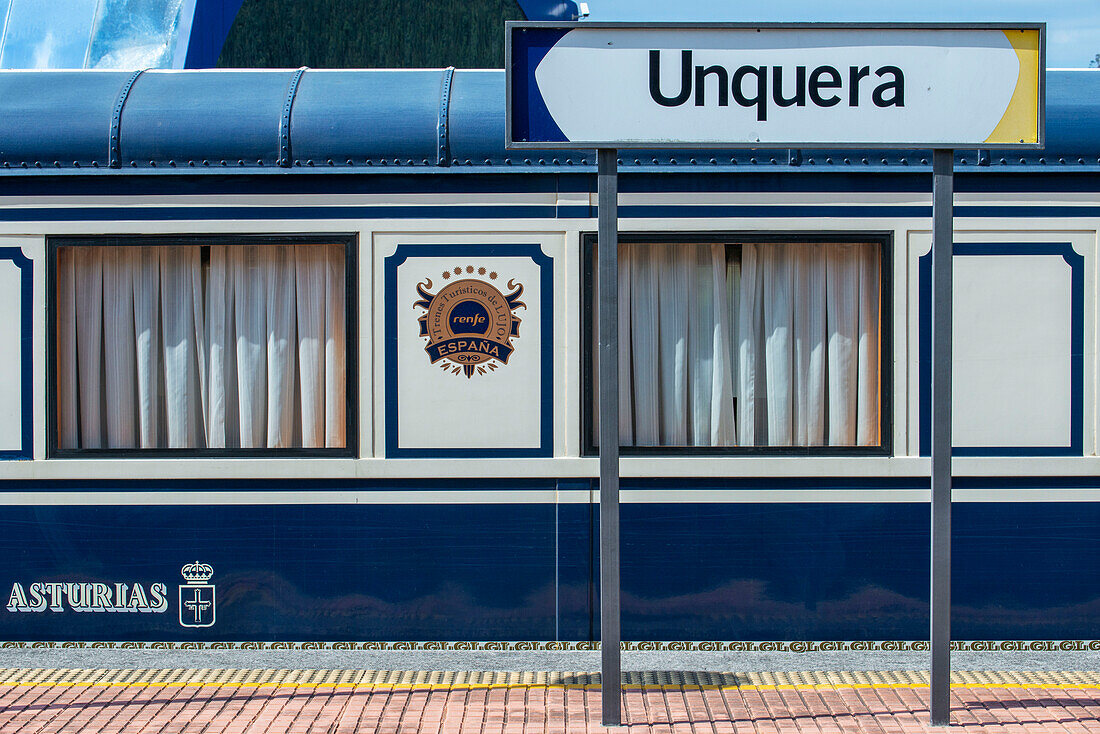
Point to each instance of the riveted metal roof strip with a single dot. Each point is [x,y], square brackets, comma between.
[284,122]
[443,153]
[114,146]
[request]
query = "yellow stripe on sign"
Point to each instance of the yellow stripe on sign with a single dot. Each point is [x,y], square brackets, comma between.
[1020,122]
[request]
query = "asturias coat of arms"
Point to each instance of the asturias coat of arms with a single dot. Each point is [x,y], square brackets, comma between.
[469,323]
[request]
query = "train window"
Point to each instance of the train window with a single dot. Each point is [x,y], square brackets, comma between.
[741,344]
[233,346]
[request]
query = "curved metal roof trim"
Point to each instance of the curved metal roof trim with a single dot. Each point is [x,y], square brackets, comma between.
[406,120]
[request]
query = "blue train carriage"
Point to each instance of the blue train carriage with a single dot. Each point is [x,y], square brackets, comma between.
[308,357]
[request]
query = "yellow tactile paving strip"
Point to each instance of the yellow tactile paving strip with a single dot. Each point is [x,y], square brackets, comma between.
[409,679]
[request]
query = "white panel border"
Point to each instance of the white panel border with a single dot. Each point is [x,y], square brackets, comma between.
[1084,243]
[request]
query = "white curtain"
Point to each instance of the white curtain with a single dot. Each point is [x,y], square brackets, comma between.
[809,345]
[782,345]
[150,380]
[89,344]
[785,335]
[181,332]
[163,347]
[675,379]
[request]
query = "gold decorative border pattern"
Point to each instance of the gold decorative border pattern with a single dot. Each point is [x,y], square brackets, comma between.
[796,646]
[436,679]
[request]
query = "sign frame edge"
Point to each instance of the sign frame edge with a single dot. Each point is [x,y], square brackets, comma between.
[513,25]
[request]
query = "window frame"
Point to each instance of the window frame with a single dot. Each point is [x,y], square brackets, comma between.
[884,239]
[350,242]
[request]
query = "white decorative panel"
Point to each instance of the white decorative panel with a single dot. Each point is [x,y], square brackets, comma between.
[1013,350]
[11,365]
[469,351]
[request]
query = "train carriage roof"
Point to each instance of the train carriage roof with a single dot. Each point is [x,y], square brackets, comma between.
[407,121]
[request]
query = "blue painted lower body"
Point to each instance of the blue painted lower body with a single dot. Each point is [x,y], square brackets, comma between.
[528,571]
[857,571]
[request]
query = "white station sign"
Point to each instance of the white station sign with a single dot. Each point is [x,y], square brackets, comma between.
[616,86]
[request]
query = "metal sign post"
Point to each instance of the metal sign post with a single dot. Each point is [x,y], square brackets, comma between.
[607,246]
[942,246]
[610,86]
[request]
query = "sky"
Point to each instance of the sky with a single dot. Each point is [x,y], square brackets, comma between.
[1073,26]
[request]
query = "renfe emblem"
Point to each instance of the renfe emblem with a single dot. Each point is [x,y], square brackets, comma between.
[469,323]
[197,596]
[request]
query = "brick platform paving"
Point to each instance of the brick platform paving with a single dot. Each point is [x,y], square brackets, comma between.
[342,702]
